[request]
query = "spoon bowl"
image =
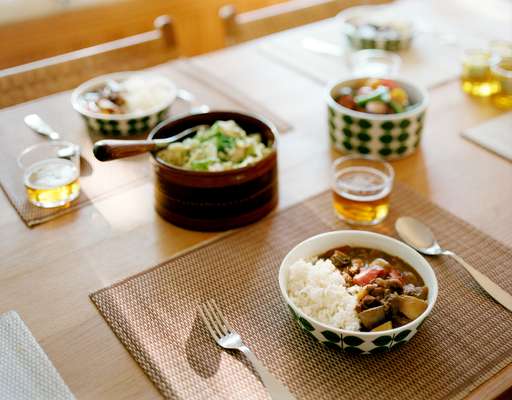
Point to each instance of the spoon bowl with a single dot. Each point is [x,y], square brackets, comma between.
[419,236]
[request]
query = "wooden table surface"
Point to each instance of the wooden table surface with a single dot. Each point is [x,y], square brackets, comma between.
[47,273]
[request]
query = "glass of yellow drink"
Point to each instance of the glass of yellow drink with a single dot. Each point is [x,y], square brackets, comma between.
[361,187]
[51,173]
[476,78]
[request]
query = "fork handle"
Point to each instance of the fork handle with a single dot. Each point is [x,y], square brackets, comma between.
[275,388]
[496,292]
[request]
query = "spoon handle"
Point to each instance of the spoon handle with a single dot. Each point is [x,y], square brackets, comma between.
[111,149]
[496,292]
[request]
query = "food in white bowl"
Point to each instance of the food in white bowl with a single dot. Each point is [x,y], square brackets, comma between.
[124,103]
[330,301]
[377,27]
[358,288]
[380,27]
[319,290]
[375,96]
[137,94]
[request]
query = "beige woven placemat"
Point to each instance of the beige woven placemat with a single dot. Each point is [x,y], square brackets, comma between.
[466,340]
[104,179]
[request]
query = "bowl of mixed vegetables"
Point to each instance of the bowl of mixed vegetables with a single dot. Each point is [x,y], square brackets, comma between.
[379,117]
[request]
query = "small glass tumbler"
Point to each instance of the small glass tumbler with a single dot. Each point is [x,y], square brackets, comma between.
[361,187]
[502,73]
[501,48]
[476,78]
[51,173]
[374,63]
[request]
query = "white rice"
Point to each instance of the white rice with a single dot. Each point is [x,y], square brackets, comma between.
[319,290]
[145,92]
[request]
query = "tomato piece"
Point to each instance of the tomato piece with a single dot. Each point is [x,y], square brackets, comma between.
[389,83]
[346,101]
[368,275]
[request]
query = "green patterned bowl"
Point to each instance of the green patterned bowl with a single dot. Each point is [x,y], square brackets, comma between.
[354,16]
[350,341]
[384,136]
[122,125]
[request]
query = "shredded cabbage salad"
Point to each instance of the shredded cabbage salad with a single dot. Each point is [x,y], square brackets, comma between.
[221,147]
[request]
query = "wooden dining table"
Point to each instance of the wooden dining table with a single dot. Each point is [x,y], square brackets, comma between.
[47,272]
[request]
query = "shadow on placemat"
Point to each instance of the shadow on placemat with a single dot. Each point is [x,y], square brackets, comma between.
[466,340]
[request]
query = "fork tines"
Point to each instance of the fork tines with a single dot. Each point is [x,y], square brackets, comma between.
[214,320]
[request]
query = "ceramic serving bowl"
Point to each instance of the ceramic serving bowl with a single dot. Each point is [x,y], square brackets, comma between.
[122,125]
[350,341]
[215,201]
[370,38]
[384,136]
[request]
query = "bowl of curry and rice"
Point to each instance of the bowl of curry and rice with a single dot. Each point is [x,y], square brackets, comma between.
[356,291]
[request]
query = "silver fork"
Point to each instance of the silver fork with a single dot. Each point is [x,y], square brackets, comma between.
[226,337]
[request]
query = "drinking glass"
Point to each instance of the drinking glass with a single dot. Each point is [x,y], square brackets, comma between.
[374,63]
[476,78]
[502,73]
[51,173]
[361,188]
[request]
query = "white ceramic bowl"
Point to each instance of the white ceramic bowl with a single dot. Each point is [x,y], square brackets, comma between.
[127,124]
[380,14]
[351,341]
[383,136]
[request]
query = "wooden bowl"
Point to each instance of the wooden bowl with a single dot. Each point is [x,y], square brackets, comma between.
[216,201]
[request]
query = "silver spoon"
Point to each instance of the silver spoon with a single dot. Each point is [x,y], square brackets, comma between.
[36,123]
[418,235]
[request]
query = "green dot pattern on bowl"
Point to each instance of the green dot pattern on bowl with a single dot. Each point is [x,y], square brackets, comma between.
[354,343]
[392,139]
[358,42]
[123,128]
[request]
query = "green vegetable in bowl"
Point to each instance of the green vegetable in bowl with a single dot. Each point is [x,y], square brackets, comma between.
[375,96]
[221,147]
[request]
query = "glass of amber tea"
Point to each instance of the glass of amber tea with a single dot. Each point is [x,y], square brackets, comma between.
[361,187]
[476,78]
[51,173]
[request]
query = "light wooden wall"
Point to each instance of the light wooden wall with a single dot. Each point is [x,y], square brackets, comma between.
[197,25]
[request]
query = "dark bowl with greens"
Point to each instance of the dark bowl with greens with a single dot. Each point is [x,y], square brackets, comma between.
[221,177]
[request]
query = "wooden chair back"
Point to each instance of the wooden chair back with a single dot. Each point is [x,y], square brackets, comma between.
[66,71]
[265,21]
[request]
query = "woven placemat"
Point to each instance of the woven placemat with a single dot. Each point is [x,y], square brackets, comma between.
[104,179]
[466,340]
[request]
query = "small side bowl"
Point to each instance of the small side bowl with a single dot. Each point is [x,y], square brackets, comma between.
[351,341]
[383,136]
[359,42]
[122,125]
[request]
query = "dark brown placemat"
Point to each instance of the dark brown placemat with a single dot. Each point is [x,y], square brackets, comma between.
[104,179]
[466,340]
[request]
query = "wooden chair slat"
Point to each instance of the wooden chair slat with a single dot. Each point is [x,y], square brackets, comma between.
[66,71]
